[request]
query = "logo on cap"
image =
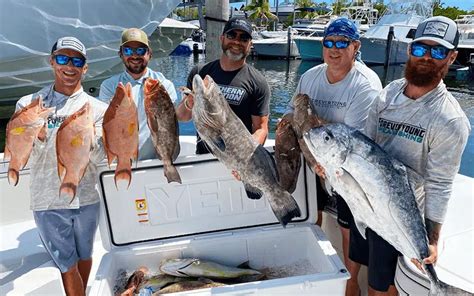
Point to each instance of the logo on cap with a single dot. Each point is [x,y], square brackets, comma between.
[436,28]
[68,43]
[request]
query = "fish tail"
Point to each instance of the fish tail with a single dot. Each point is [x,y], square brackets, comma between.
[286,209]
[171,173]
[68,190]
[13,176]
[123,172]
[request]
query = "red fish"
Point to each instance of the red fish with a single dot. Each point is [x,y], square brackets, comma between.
[23,128]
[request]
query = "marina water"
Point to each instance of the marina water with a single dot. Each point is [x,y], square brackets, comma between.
[283,77]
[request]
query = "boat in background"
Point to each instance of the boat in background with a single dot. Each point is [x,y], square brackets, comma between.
[403,16]
[25,45]
[363,15]
[466,40]
[310,47]
[275,48]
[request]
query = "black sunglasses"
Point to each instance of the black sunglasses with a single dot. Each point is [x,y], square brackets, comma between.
[244,37]
[64,60]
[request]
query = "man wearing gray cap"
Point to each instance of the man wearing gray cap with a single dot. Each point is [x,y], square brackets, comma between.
[67,228]
[420,123]
[135,53]
[245,89]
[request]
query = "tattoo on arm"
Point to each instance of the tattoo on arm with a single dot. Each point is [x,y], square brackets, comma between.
[433,229]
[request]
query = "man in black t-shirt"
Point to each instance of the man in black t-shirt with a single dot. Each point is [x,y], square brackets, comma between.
[244,88]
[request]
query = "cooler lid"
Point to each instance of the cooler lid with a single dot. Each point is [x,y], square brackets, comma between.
[208,200]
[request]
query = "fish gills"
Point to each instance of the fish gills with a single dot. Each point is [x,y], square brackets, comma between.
[235,147]
[120,132]
[73,148]
[23,128]
[163,125]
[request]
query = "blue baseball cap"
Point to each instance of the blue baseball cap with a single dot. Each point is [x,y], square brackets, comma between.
[342,27]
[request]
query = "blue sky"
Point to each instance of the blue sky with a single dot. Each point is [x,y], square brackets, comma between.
[461,4]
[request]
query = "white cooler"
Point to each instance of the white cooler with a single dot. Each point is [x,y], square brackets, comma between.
[209,217]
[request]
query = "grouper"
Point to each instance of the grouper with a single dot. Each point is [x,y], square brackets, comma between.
[234,146]
[376,188]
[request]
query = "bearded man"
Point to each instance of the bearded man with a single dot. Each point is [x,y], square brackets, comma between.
[135,53]
[245,89]
[420,123]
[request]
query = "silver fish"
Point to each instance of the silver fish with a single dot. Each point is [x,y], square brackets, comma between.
[201,283]
[235,147]
[376,188]
[192,267]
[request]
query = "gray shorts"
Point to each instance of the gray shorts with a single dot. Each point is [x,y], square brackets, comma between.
[68,234]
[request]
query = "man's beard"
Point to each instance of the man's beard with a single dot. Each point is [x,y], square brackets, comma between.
[234,57]
[427,75]
[136,69]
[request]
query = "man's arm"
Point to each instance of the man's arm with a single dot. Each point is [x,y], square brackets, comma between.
[260,128]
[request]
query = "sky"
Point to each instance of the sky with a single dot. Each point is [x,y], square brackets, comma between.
[461,4]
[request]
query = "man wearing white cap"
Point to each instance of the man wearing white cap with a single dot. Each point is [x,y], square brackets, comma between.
[67,228]
[135,53]
[420,123]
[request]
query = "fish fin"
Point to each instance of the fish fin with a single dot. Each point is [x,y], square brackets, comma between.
[42,133]
[347,178]
[123,173]
[171,173]
[61,170]
[219,143]
[110,155]
[68,190]
[271,161]
[287,208]
[7,155]
[361,228]
[252,192]
[244,265]
[177,149]
[13,177]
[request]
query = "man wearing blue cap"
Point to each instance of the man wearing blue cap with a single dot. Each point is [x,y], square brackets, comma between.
[341,90]
[427,132]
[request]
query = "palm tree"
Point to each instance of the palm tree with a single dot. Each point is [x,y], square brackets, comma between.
[260,11]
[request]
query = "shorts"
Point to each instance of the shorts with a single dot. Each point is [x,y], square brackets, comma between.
[344,215]
[378,255]
[68,234]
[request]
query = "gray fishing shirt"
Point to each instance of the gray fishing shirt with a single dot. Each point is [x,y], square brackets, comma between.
[44,179]
[428,135]
[347,101]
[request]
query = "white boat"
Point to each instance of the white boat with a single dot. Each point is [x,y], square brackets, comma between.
[310,47]
[196,43]
[275,48]
[26,41]
[466,40]
[364,15]
[211,218]
[404,16]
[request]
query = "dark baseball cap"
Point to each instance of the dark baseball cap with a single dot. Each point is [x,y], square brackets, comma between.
[236,23]
[439,29]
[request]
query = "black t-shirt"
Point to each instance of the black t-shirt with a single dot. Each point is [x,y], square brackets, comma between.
[245,89]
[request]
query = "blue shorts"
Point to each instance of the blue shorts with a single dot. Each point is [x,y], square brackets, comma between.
[68,234]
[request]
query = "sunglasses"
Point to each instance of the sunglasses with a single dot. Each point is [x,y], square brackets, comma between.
[438,52]
[64,60]
[340,44]
[235,36]
[129,51]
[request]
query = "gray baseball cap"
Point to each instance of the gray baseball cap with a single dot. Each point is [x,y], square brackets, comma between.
[69,43]
[439,29]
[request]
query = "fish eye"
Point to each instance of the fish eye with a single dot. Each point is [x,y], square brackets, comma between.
[326,137]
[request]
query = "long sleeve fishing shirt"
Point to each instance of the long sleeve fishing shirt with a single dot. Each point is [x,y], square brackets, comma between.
[428,135]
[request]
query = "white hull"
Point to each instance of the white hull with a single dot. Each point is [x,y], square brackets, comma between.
[25,46]
[275,47]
